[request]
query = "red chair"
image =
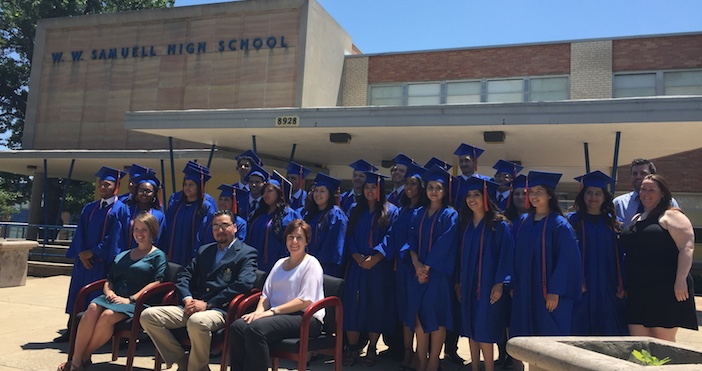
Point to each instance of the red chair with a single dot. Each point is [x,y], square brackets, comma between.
[329,342]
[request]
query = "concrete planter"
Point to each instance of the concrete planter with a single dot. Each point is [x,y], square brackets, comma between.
[573,353]
[13,261]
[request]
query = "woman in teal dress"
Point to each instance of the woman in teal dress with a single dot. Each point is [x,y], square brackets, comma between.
[133,272]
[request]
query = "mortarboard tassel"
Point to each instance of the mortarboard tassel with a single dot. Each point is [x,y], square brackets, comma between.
[485,196]
[234,203]
[526,199]
[119,176]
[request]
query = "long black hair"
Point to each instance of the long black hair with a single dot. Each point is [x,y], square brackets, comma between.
[280,206]
[201,210]
[381,211]
[493,216]
[607,209]
[667,196]
[313,209]
[423,199]
[553,203]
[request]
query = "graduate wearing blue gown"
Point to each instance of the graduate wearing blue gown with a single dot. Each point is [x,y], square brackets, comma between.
[328,224]
[369,288]
[601,311]
[296,174]
[486,254]
[269,222]
[134,171]
[188,216]
[433,252]
[146,190]
[99,236]
[358,179]
[544,294]
[468,162]
[505,173]
[398,176]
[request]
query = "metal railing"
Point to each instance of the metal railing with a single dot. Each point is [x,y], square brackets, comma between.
[45,234]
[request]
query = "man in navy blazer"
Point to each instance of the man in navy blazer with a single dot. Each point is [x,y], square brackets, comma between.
[220,271]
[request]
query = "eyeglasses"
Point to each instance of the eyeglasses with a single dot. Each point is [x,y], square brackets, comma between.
[145,191]
[244,166]
[221,226]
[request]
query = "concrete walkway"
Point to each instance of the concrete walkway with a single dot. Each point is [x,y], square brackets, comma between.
[31,315]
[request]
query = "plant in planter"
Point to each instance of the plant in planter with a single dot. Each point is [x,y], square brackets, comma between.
[646,358]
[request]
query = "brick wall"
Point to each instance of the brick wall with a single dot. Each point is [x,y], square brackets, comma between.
[534,60]
[591,70]
[657,53]
[355,82]
[680,170]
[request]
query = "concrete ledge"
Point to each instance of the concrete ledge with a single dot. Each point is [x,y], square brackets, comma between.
[13,261]
[568,354]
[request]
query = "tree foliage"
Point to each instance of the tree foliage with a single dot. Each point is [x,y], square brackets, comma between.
[18,26]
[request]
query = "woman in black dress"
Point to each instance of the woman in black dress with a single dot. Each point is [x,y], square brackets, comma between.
[659,245]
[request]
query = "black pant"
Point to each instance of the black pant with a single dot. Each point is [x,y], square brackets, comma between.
[248,345]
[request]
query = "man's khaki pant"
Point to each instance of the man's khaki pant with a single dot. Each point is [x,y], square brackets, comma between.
[157,322]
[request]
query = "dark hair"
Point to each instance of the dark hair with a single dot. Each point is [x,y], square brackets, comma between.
[607,209]
[154,204]
[202,210]
[512,212]
[643,161]
[280,206]
[150,221]
[381,211]
[492,215]
[666,201]
[229,213]
[423,200]
[553,203]
[313,209]
[446,200]
[295,224]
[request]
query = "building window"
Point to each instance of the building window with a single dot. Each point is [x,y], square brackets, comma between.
[386,95]
[423,94]
[683,83]
[463,92]
[634,85]
[505,91]
[543,89]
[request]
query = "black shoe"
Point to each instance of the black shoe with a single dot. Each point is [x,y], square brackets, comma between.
[454,357]
[508,364]
[63,338]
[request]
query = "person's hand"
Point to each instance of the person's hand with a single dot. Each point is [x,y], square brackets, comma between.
[119,300]
[681,290]
[457,288]
[621,293]
[551,302]
[422,272]
[193,306]
[495,293]
[250,317]
[86,258]
[367,263]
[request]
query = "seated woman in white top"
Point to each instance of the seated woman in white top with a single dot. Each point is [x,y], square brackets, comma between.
[294,283]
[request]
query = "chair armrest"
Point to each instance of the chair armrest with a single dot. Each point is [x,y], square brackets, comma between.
[328,302]
[232,308]
[79,305]
[162,288]
[248,304]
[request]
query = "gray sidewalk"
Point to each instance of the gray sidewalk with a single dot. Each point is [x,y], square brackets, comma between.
[31,315]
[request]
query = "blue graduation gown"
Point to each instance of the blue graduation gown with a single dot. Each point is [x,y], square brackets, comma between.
[348,199]
[296,203]
[394,198]
[186,228]
[134,211]
[369,295]
[432,301]
[269,244]
[390,247]
[563,276]
[101,232]
[327,241]
[241,227]
[458,193]
[600,312]
[480,320]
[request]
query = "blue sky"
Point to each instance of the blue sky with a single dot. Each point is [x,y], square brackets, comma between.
[378,26]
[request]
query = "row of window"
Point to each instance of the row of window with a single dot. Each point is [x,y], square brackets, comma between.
[530,89]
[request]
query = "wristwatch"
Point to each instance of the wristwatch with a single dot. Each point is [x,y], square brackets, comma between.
[132,299]
[275,311]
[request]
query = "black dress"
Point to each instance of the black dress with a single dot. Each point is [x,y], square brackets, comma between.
[651,264]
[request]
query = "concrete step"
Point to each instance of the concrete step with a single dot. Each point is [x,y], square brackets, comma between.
[51,253]
[48,269]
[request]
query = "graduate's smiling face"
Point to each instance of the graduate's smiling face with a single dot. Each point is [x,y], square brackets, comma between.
[224,203]
[538,196]
[145,193]
[358,179]
[106,188]
[321,196]
[398,173]
[519,199]
[466,164]
[270,195]
[412,187]
[190,190]
[370,191]
[255,185]
[594,198]
[243,167]
[474,200]
[435,191]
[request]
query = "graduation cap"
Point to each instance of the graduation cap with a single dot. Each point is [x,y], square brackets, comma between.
[250,155]
[403,159]
[108,173]
[278,180]
[363,165]
[436,173]
[595,179]
[330,182]
[378,180]
[136,170]
[468,150]
[229,190]
[519,182]
[503,166]
[197,173]
[414,170]
[437,161]
[257,170]
[147,177]
[301,171]
[485,186]
[543,178]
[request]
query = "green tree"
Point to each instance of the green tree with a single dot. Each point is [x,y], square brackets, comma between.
[18,25]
